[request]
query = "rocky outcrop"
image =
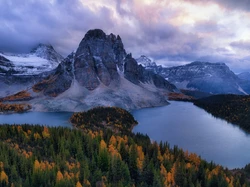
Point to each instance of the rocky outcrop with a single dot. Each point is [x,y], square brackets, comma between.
[59,81]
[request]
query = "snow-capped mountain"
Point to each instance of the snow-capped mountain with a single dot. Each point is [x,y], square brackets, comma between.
[208,77]
[41,59]
[21,71]
[148,64]
[215,78]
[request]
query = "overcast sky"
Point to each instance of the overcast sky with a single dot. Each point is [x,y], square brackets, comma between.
[171,32]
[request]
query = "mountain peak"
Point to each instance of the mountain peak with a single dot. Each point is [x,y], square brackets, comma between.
[42,46]
[95,33]
[46,51]
[145,61]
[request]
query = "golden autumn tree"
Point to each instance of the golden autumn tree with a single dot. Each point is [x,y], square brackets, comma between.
[78,184]
[36,165]
[45,132]
[59,176]
[4,177]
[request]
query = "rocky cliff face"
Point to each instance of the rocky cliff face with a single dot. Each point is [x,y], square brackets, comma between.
[98,59]
[100,72]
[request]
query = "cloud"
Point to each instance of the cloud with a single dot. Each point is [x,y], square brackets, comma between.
[242,45]
[232,4]
[207,26]
[170,32]
[61,23]
[226,4]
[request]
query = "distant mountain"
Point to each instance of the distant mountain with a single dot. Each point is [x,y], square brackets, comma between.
[244,76]
[213,78]
[148,64]
[204,76]
[100,72]
[41,59]
[19,71]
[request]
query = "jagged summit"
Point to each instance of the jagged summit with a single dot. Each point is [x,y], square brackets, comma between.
[145,61]
[95,33]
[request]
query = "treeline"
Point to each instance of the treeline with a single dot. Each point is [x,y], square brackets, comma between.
[11,107]
[100,118]
[20,96]
[233,108]
[42,156]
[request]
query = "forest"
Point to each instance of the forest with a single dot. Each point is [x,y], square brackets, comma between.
[233,108]
[100,118]
[87,156]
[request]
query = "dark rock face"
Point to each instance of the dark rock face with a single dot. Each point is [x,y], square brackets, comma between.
[59,81]
[6,67]
[131,70]
[3,59]
[97,59]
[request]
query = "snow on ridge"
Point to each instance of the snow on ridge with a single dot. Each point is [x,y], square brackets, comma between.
[30,64]
[145,61]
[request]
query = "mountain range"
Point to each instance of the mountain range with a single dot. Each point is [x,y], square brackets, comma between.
[213,78]
[99,72]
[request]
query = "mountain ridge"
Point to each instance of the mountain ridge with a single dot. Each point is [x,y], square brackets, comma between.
[214,78]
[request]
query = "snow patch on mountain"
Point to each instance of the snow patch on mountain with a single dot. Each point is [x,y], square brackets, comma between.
[145,61]
[29,64]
